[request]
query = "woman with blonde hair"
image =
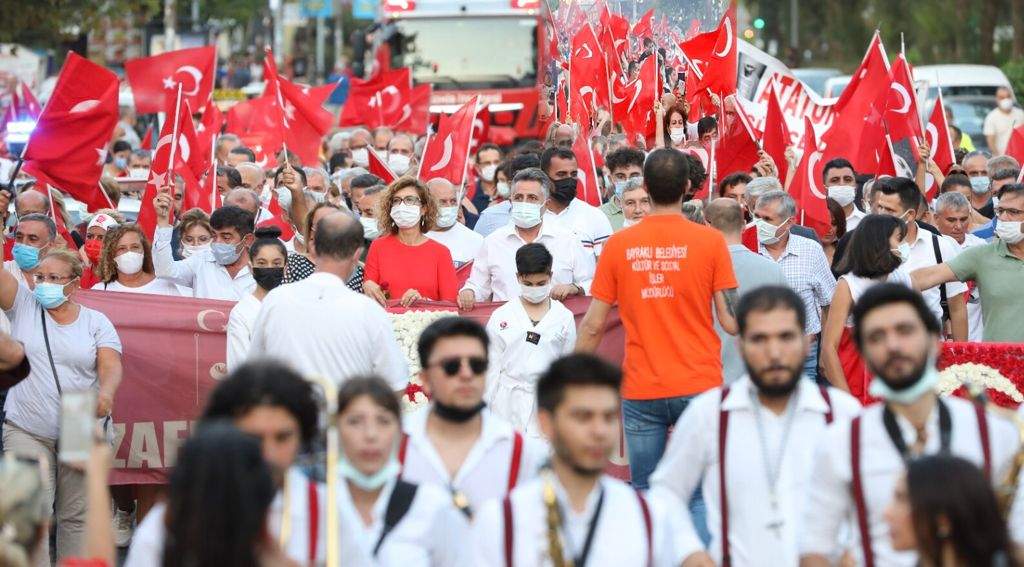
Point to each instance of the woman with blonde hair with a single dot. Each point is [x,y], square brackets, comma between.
[126,264]
[406,212]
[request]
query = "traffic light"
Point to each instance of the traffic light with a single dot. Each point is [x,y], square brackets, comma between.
[748,34]
[759,23]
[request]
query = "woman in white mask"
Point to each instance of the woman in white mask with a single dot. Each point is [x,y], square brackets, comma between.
[195,231]
[527,335]
[424,528]
[126,264]
[403,264]
[267,259]
[671,124]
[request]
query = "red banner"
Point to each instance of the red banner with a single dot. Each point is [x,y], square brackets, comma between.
[174,353]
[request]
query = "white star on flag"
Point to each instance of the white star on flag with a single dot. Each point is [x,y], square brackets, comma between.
[103,156]
[169,83]
[289,111]
[158,179]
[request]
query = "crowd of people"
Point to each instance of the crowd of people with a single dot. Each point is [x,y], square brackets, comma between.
[754,348]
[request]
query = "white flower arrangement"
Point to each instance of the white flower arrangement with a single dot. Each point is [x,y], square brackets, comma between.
[408,327]
[976,376]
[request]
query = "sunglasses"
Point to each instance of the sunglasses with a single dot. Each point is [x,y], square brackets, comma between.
[451,366]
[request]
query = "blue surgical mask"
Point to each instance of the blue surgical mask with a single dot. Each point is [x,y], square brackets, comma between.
[373,481]
[620,187]
[121,163]
[49,295]
[225,254]
[926,383]
[980,185]
[27,257]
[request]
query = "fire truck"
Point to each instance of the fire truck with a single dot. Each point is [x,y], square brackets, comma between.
[493,48]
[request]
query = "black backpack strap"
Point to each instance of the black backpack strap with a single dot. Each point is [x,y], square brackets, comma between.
[398,505]
[49,353]
[943,300]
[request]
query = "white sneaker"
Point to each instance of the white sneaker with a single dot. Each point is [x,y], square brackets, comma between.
[123,527]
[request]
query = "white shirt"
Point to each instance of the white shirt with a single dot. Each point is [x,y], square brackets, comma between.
[620,536]
[691,461]
[587,222]
[517,362]
[485,472]
[922,255]
[241,323]
[854,218]
[201,272]
[12,268]
[830,501]
[462,243]
[433,533]
[147,546]
[158,286]
[975,320]
[322,328]
[1000,125]
[493,277]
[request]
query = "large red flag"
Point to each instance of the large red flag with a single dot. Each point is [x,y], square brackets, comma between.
[617,29]
[68,146]
[1015,147]
[376,102]
[737,149]
[305,119]
[154,80]
[173,151]
[901,115]
[808,191]
[941,144]
[776,137]
[208,130]
[720,75]
[587,73]
[481,129]
[587,188]
[380,168]
[642,28]
[417,118]
[633,102]
[447,151]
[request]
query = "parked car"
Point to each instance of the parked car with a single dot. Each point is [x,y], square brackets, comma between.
[816,77]
[835,85]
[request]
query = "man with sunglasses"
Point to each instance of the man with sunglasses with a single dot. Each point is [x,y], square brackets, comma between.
[455,442]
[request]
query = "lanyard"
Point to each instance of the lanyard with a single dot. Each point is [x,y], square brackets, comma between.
[893,429]
[774,470]
[581,559]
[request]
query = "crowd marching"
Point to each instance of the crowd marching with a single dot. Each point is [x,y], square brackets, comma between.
[777,397]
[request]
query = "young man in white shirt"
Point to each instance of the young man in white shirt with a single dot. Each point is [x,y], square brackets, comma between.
[219,273]
[1001,120]
[857,464]
[589,224]
[493,277]
[271,402]
[749,445]
[455,442]
[462,242]
[841,182]
[574,511]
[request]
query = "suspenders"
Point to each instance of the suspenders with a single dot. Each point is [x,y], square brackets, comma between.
[314,519]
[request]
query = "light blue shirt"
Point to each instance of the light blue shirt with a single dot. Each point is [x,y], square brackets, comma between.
[493,218]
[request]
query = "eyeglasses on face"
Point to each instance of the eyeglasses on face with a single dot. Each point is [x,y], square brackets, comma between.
[411,200]
[52,278]
[451,365]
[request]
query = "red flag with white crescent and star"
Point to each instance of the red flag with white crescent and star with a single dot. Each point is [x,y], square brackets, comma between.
[154,80]
[161,172]
[447,151]
[901,115]
[941,144]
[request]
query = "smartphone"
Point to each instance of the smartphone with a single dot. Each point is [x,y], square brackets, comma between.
[77,421]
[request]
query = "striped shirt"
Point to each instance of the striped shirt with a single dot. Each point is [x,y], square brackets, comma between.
[807,271]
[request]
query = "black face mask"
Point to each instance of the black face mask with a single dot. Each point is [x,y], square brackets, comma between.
[565,190]
[454,414]
[268,278]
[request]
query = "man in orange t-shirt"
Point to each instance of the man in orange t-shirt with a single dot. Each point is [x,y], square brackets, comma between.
[665,274]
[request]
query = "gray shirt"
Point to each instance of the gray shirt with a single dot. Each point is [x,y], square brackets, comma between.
[752,271]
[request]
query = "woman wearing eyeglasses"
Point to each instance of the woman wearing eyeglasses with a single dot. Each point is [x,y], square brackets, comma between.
[384,520]
[404,264]
[69,347]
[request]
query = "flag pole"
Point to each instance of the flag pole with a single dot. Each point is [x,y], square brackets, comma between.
[174,134]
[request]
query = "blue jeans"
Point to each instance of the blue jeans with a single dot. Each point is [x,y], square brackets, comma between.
[811,362]
[646,424]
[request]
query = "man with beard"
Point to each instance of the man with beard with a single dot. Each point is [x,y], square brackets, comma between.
[456,443]
[573,512]
[271,402]
[857,464]
[749,445]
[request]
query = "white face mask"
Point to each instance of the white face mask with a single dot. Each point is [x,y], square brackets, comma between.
[399,163]
[139,173]
[526,215]
[1009,231]
[630,222]
[535,294]
[488,172]
[502,189]
[1006,104]
[766,232]
[903,252]
[129,263]
[189,250]
[677,134]
[361,157]
[446,216]
[284,198]
[370,228]
[842,194]
[405,216]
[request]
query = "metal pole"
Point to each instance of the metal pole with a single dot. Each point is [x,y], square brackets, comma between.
[195,15]
[339,35]
[794,24]
[321,31]
[169,23]
[277,7]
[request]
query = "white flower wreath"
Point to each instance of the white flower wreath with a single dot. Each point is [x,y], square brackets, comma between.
[408,327]
[972,375]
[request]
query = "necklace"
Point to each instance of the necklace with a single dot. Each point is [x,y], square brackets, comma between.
[773,468]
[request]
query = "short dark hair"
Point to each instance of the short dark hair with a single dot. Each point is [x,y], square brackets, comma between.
[265,383]
[234,178]
[667,175]
[300,171]
[887,294]
[555,152]
[120,146]
[868,255]
[337,160]
[770,298]
[624,157]
[697,173]
[244,151]
[230,216]
[706,124]
[521,162]
[373,386]
[447,327]
[1005,173]
[488,146]
[732,180]
[337,240]
[909,194]
[574,370]
[1011,189]
[533,258]
[954,180]
[365,181]
[837,163]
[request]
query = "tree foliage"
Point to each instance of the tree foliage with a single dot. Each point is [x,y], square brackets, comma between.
[47,23]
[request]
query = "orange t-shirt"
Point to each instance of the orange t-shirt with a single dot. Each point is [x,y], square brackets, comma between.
[663,274]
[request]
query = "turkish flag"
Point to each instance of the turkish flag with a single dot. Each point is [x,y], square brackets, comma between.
[419,111]
[941,144]
[720,76]
[481,129]
[68,145]
[380,168]
[633,102]
[810,142]
[700,102]
[613,60]
[587,188]
[175,153]
[58,220]
[154,80]
[376,102]
[580,110]
[147,139]
[287,232]
[807,189]
[305,119]
[617,29]
[207,131]
[1014,148]
[886,161]
[447,151]
[776,137]
[642,28]
[901,115]
[276,115]
[736,148]
[587,73]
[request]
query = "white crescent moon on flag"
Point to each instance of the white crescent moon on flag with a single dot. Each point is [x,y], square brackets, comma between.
[811,163]
[197,76]
[638,86]
[395,101]
[586,46]
[932,135]
[593,95]
[446,155]
[904,97]
[728,43]
[161,143]
[84,106]
[201,320]
[183,147]
[406,114]
[581,181]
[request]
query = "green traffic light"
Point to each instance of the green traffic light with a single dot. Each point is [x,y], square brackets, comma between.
[759,23]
